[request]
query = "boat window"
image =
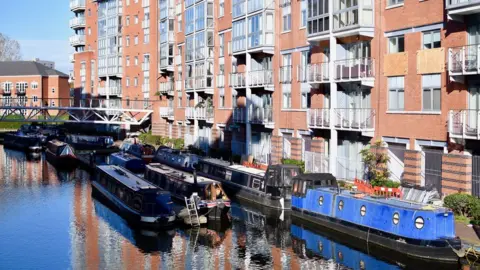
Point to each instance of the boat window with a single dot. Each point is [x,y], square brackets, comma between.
[289,174]
[396,218]
[363,210]
[304,187]
[228,175]
[137,202]
[340,205]
[295,187]
[320,200]
[205,168]
[419,223]
[256,183]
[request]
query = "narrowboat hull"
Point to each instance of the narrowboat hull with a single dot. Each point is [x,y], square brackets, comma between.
[32,145]
[217,212]
[419,250]
[129,214]
[239,192]
[61,162]
[129,162]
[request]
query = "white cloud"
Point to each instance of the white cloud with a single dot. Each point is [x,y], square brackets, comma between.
[50,50]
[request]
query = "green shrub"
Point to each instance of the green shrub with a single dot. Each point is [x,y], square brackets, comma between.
[462,204]
[178,143]
[341,183]
[299,163]
[475,209]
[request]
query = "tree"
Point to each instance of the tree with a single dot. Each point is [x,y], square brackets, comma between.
[375,161]
[9,49]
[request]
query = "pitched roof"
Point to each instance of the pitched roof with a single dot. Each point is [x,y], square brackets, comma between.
[27,68]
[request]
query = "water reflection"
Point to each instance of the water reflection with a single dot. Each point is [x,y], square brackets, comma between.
[52,217]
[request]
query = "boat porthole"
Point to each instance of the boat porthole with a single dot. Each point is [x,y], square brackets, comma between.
[320,246]
[419,223]
[362,264]
[363,210]
[320,200]
[396,218]
[340,205]
[340,256]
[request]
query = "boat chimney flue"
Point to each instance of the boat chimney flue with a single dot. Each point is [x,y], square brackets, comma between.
[195,176]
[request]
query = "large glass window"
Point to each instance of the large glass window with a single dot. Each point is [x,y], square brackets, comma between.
[189,48]
[189,20]
[238,35]
[396,93]
[200,45]
[317,16]
[286,96]
[254,5]
[431,88]
[221,8]
[286,18]
[238,8]
[200,16]
[303,13]
[255,26]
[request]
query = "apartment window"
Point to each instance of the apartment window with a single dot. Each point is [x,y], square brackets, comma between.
[136,60]
[127,83]
[52,104]
[35,98]
[396,93]
[34,85]
[286,96]
[221,43]
[318,17]
[127,61]
[135,81]
[221,100]
[394,2]
[221,8]
[189,20]
[179,101]
[396,44]
[21,86]
[304,98]
[431,88]
[431,39]
[234,98]
[136,19]
[303,13]
[127,41]
[127,20]
[89,31]
[255,27]
[53,90]
[136,40]
[179,23]
[286,18]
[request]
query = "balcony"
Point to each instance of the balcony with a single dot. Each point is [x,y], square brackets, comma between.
[261,78]
[165,87]
[318,118]
[239,115]
[220,81]
[263,116]
[166,112]
[77,40]
[206,114]
[286,74]
[168,36]
[464,124]
[77,22]
[355,20]
[356,119]
[464,60]
[314,73]
[113,90]
[458,8]
[77,5]
[237,80]
[361,69]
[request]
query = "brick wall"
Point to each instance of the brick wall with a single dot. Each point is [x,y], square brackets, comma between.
[318,145]
[456,173]
[412,170]
[296,148]
[277,148]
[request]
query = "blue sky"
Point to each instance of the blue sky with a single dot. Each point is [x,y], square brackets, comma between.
[41,27]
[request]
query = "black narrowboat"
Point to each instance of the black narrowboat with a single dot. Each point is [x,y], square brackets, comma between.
[272,188]
[213,201]
[60,154]
[86,142]
[24,142]
[134,198]
[176,158]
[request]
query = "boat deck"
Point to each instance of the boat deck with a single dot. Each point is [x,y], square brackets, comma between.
[124,176]
[186,177]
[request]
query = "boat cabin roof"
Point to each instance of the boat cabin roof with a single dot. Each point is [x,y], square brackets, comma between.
[395,202]
[226,164]
[184,176]
[125,177]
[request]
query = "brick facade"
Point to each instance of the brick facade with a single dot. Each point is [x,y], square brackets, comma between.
[456,173]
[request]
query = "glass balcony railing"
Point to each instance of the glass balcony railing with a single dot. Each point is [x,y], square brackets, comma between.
[260,78]
[166,112]
[77,22]
[362,119]
[318,118]
[464,60]
[354,69]
[165,87]
[77,5]
[77,40]
[464,124]
[286,74]
[261,115]
[314,73]
[237,80]
[112,90]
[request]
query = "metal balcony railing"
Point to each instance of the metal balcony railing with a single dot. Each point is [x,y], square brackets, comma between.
[286,74]
[237,80]
[261,115]
[112,90]
[464,60]
[20,91]
[206,113]
[354,69]
[314,73]
[166,112]
[318,118]
[77,22]
[77,5]
[354,119]
[464,124]
[165,87]
[260,78]
[77,40]
[239,115]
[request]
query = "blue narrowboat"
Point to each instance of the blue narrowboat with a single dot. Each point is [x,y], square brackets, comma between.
[419,230]
[128,161]
[133,198]
[176,158]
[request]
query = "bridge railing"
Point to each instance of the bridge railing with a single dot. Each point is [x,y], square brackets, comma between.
[58,103]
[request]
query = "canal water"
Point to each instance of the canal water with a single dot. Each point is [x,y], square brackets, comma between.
[49,220]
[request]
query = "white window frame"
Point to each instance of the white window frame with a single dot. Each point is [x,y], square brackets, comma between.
[431,35]
[34,85]
[430,84]
[221,8]
[286,96]
[394,48]
[394,2]
[303,14]
[286,17]
[397,85]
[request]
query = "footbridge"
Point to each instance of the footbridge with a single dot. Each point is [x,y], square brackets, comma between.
[69,110]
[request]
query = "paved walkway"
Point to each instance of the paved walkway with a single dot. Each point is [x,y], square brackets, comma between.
[466,233]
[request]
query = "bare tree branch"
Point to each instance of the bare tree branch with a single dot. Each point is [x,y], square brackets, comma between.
[9,49]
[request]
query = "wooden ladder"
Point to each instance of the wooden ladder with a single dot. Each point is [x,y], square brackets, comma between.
[192,211]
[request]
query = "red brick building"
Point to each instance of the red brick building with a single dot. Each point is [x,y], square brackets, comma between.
[31,83]
[290,79]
